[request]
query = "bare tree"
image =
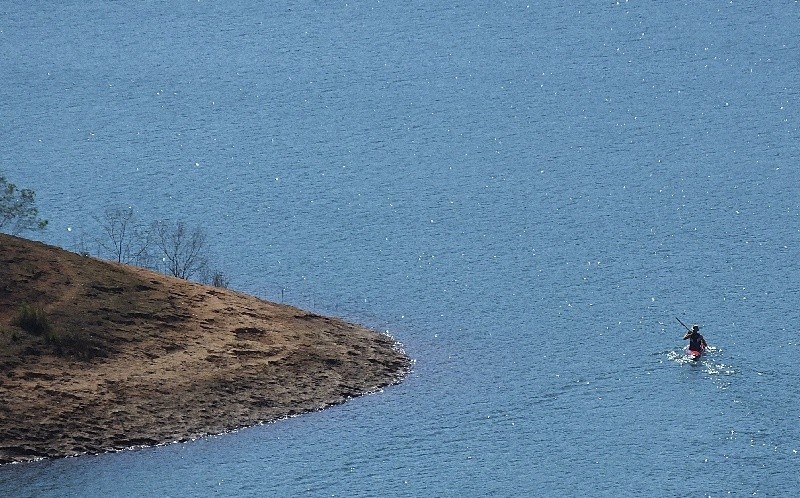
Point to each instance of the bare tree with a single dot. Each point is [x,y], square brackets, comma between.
[17,208]
[182,250]
[124,239]
[220,280]
[215,277]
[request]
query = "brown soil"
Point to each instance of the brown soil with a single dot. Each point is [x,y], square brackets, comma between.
[137,358]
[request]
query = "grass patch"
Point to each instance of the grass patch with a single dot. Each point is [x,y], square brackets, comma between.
[76,344]
[33,320]
[8,332]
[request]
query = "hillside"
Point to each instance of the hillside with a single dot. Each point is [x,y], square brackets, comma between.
[133,357]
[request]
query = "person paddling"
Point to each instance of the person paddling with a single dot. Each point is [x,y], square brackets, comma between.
[696,341]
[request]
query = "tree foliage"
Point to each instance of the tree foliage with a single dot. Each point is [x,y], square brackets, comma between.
[18,211]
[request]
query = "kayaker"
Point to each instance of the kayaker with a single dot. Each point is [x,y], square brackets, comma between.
[696,341]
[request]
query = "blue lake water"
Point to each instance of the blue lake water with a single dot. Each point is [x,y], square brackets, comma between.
[525,195]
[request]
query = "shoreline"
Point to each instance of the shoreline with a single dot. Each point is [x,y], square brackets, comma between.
[164,360]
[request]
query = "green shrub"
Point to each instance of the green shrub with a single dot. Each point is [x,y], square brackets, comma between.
[32,319]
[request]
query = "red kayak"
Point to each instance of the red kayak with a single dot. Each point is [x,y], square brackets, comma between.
[694,354]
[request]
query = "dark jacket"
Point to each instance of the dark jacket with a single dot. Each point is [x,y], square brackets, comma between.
[697,342]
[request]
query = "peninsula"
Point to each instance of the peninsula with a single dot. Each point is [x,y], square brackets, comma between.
[98,356]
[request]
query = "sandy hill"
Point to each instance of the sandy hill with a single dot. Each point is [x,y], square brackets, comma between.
[98,356]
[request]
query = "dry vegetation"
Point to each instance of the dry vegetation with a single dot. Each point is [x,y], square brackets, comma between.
[97,356]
